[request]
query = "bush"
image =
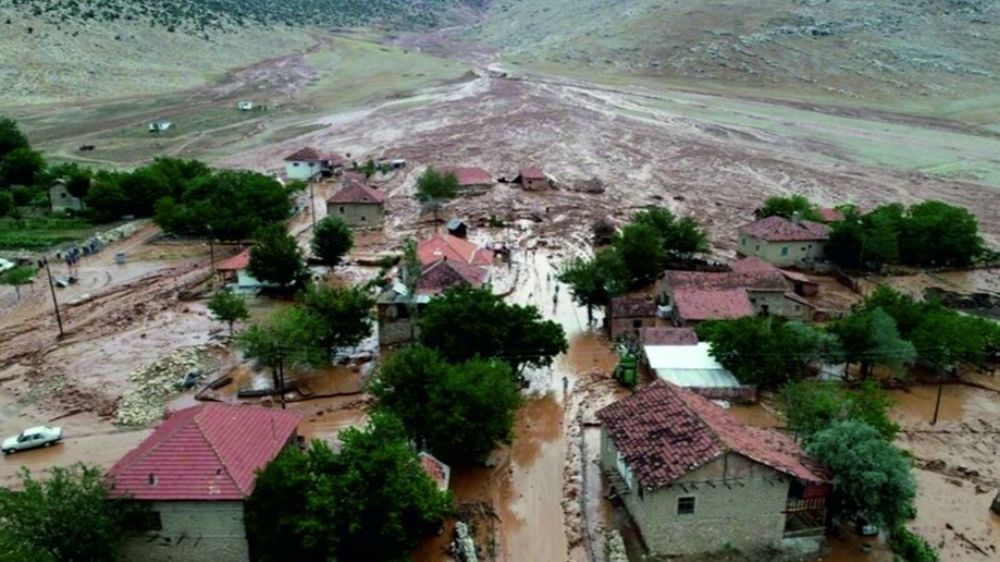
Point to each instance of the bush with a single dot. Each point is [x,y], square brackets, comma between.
[911,547]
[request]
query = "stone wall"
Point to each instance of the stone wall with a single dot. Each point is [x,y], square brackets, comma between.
[781,254]
[193,532]
[357,215]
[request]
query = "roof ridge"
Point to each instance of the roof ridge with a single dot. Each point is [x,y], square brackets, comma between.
[164,439]
[723,444]
[225,466]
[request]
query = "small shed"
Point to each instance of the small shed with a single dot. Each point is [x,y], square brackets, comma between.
[457,227]
[245,105]
[532,179]
[61,199]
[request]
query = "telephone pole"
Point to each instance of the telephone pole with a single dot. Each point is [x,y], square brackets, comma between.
[312,205]
[55,303]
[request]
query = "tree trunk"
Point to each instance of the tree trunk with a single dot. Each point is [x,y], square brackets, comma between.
[17,291]
[590,315]
[231,328]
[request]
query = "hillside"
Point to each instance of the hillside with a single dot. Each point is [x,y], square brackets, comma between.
[845,48]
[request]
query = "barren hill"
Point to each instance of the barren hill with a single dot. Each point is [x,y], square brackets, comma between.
[847,48]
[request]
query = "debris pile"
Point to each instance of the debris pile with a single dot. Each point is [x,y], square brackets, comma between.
[616,547]
[464,546]
[156,383]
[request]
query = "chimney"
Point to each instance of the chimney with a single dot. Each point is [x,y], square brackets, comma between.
[796,217]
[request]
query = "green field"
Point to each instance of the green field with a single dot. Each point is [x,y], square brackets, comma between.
[34,234]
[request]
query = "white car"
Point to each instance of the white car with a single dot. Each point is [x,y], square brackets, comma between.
[41,436]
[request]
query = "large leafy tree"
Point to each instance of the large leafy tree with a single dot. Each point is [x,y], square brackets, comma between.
[332,239]
[458,411]
[291,339]
[788,207]
[871,478]
[21,166]
[682,237]
[228,307]
[811,406]
[766,351]
[434,185]
[945,338]
[907,312]
[344,312]
[71,516]
[106,200]
[277,258]
[372,501]
[11,137]
[6,203]
[935,233]
[871,338]
[592,282]
[643,252]
[490,328]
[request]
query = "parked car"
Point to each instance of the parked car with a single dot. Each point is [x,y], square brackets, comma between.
[41,436]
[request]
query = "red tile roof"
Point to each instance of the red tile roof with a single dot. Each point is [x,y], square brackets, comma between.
[668,336]
[711,304]
[633,307]
[209,452]
[470,176]
[532,174]
[310,154]
[770,279]
[830,215]
[445,274]
[353,192]
[665,432]
[238,262]
[453,248]
[752,264]
[780,229]
[439,472]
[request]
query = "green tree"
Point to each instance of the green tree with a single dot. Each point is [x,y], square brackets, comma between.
[459,411]
[907,312]
[489,328]
[592,282]
[871,478]
[372,501]
[21,166]
[228,307]
[871,338]
[332,239]
[344,311]
[277,258]
[910,547]
[20,275]
[789,206]
[945,338]
[866,242]
[70,517]
[682,238]
[106,199]
[765,351]
[6,203]
[143,187]
[292,339]
[436,186]
[812,406]
[642,251]
[11,137]
[935,233]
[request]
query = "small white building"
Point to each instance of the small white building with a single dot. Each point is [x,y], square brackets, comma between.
[61,199]
[308,163]
[245,105]
[160,126]
[689,366]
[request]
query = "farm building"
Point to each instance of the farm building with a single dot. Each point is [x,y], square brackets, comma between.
[359,205]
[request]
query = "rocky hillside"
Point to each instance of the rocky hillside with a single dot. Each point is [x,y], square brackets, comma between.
[204,15]
[849,48]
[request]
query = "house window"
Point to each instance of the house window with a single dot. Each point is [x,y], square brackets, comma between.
[640,493]
[784,250]
[363,218]
[757,249]
[295,164]
[637,323]
[147,521]
[685,506]
[623,469]
[341,210]
[743,242]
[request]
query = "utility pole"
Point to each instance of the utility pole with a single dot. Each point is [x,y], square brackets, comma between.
[281,377]
[312,205]
[937,405]
[55,303]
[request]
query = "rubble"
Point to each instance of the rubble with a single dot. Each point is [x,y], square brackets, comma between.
[155,383]
[464,546]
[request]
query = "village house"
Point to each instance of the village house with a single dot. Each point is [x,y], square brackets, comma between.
[752,287]
[625,316]
[457,227]
[358,205]
[194,473]
[446,262]
[783,242]
[695,480]
[532,179]
[471,180]
[233,272]
[676,356]
[307,163]
[160,126]
[61,199]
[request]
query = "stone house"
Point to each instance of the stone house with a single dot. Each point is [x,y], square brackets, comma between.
[359,205]
[62,200]
[626,316]
[446,262]
[194,473]
[532,179]
[695,480]
[783,242]
[471,180]
[308,163]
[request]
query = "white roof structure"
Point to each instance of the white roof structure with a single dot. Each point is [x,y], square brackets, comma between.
[689,366]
